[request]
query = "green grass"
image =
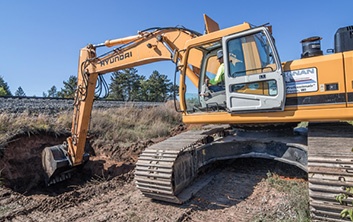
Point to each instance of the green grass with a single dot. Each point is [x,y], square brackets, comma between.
[296,208]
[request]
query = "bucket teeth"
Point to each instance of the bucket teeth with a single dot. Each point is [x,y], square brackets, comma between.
[59,178]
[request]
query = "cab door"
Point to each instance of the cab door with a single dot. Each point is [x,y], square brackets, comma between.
[253,73]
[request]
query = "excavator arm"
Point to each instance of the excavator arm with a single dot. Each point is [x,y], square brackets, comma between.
[148,46]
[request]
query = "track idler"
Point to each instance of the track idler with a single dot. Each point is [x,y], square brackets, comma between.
[56,164]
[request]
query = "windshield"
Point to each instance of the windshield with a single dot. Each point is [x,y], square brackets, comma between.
[250,54]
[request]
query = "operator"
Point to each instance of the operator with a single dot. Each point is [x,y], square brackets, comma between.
[217,83]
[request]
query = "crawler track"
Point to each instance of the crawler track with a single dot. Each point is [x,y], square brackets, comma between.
[167,171]
[170,171]
[330,168]
[158,173]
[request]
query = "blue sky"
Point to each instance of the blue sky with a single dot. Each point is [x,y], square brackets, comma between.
[40,40]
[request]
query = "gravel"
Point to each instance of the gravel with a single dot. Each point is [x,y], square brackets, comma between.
[55,105]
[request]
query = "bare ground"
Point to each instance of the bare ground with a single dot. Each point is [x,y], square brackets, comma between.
[105,190]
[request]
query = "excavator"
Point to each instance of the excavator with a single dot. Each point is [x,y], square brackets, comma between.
[255,115]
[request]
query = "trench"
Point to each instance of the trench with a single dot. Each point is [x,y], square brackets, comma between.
[21,168]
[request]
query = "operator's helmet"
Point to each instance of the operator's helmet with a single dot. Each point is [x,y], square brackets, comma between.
[219,54]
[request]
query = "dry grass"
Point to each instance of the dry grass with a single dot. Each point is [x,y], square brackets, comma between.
[25,123]
[116,125]
[130,124]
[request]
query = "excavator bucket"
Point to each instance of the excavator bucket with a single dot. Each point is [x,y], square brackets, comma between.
[56,164]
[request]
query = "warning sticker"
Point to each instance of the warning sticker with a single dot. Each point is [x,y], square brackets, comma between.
[299,81]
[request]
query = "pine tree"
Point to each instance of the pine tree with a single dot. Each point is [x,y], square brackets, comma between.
[116,86]
[52,92]
[159,87]
[2,91]
[5,87]
[125,85]
[69,88]
[20,92]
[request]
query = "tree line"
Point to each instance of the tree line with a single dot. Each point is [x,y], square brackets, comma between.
[125,85]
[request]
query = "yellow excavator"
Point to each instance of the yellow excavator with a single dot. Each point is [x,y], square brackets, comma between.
[254,114]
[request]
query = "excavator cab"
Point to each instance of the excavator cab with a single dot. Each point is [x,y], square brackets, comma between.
[253,79]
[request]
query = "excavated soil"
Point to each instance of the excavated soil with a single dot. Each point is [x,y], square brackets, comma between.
[104,190]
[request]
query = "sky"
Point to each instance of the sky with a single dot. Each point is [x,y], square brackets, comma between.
[40,40]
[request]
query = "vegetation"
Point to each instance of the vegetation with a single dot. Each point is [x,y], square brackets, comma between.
[123,126]
[2,91]
[157,88]
[112,126]
[25,123]
[20,92]
[69,88]
[4,88]
[52,92]
[128,85]
[296,204]
[342,199]
[67,92]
